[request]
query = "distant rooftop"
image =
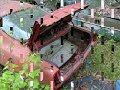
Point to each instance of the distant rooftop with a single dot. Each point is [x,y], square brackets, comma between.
[5,7]
[13,20]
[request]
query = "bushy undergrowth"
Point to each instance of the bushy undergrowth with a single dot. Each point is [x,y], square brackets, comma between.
[20,80]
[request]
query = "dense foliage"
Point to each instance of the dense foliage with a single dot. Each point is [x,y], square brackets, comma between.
[96,65]
[21,80]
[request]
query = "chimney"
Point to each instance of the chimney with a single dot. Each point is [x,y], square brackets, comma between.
[51,69]
[11,10]
[41,20]
[1,22]
[51,14]
[62,3]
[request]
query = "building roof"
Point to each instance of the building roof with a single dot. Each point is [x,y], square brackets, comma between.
[60,13]
[5,7]
[13,20]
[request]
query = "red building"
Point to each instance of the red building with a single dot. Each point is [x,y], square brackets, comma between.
[63,47]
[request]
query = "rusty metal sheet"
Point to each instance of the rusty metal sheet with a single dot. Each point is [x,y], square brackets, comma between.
[61,13]
[11,48]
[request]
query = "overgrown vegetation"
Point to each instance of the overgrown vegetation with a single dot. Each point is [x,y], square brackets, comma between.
[104,60]
[107,61]
[21,80]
